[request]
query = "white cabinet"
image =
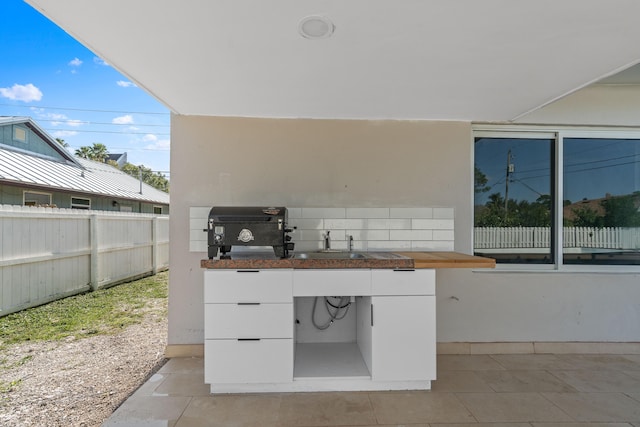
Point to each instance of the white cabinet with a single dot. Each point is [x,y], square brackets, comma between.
[248,327]
[403,338]
[397,326]
[331,282]
[249,331]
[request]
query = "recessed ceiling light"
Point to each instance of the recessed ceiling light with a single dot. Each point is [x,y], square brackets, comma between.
[316,27]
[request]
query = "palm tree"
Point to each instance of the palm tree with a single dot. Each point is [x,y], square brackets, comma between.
[84,152]
[61,142]
[97,152]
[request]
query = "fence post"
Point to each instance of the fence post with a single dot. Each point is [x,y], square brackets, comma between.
[154,244]
[93,240]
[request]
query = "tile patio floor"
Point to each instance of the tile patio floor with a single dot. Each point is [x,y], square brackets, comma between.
[523,390]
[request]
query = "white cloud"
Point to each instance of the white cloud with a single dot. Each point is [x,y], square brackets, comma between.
[159,144]
[25,93]
[149,138]
[64,133]
[75,123]
[99,61]
[75,62]
[123,120]
[123,83]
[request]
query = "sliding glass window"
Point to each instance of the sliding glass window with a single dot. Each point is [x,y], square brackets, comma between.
[601,213]
[513,194]
[520,178]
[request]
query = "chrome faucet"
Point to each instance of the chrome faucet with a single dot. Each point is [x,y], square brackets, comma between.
[350,242]
[327,241]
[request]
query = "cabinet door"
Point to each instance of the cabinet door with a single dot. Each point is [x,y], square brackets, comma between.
[248,361]
[248,286]
[403,338]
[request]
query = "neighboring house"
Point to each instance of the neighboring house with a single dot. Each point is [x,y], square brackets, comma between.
[35,170]
[387,108]
[119,159]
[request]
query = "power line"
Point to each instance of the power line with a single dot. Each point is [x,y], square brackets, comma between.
[83,122]
[85,109]
[104,131]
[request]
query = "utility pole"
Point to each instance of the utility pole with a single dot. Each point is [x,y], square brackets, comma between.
[510,170]
[140,177]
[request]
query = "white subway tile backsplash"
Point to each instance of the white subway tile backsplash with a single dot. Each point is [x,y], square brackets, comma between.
[411,234]
[367,212]
[324,213]
[388,245]
[373,229]
[294,212]
[306,224]
[434,245]
[199,212]
[432,224]
[443,213]
[443,235]
[389,224]
[336,224]
[359,235]
[411,213]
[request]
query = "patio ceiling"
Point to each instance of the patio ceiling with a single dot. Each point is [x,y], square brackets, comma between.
[482,60]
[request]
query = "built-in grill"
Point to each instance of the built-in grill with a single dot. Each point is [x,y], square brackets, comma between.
[248,226]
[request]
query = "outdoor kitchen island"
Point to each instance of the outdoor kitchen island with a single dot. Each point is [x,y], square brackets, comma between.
[259,312]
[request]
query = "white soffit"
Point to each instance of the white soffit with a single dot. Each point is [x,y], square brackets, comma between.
[483,60]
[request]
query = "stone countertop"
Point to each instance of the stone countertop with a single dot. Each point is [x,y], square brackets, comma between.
[398,261]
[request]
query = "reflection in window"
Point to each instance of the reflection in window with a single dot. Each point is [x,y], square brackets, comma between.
[32,198]
[601,201]
[513,199]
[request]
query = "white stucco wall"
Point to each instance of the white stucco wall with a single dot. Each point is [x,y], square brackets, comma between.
[239,161]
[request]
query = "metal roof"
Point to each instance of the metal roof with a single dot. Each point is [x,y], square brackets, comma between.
[19,167]
[94,178]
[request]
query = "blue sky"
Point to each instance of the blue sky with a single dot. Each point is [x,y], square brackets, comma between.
[73,94]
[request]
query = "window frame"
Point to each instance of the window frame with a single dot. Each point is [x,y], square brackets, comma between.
[558,133]
[17,128]
[79,205]
[157,207]
[24,197]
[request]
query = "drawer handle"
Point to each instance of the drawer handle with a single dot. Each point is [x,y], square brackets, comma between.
[248,303]
[248,339]
[404,269]
[247,271]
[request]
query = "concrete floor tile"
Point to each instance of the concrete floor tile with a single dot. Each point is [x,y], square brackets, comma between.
[247,410]
[511,407]
[523,381]
[326,409]
[150,410]
[538,362]
[598,381]
[605,362]
[418,407]
[150,386]
[481,425]
[183,365]
[460,381]
[597,407]
[183,385]
[581,425]
[463,362]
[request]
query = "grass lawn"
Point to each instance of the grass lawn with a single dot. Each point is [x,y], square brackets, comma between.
[104,311]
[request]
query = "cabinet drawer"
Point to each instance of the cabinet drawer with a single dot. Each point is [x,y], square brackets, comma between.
[233,286]
[248,321]
[262,361]
[403,282]
[308,283]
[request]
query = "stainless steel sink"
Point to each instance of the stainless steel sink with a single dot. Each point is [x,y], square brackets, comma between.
[331,255]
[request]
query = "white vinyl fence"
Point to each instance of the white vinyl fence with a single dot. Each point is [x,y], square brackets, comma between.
[572,237]
[48,253]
